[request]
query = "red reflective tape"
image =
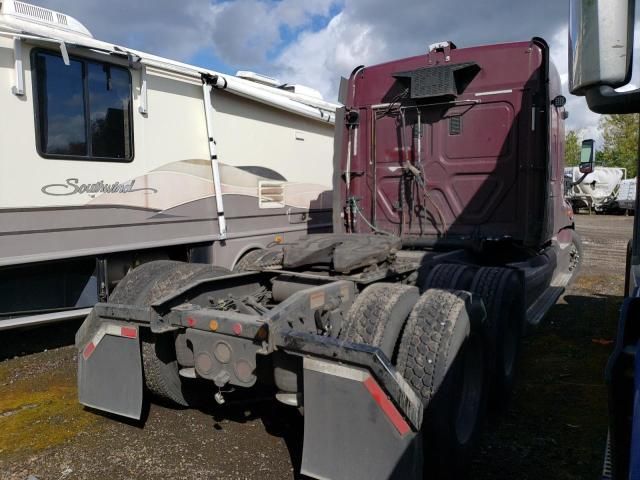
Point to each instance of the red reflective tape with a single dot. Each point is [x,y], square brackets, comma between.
[387,407]
[129,332]
[88,350]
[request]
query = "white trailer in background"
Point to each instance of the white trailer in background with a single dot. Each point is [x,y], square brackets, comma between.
[111,157]
[626,198]
[595,191]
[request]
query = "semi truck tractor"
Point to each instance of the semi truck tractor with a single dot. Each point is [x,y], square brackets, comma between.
[601,39]
[399,332]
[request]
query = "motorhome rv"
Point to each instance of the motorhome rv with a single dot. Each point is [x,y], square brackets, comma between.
[110,157]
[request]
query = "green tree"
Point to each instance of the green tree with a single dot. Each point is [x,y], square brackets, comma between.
[620,147]
[571,149]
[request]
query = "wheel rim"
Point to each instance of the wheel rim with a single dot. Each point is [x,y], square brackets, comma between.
[574,258]
[470,397]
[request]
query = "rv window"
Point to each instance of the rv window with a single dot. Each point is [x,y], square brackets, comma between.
[83,110]
[60,106]
[109,103]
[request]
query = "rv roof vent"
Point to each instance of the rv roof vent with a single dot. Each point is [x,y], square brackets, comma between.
[31,18]
[62,19]
[303,90]
[33,11]
[258,78]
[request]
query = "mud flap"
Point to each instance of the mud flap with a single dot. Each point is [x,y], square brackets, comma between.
[110,371]
[351,428]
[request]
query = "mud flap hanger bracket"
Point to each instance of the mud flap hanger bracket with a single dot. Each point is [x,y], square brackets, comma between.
[139,315]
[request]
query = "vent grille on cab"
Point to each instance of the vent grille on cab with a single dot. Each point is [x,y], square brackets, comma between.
[438,81]
[455,125]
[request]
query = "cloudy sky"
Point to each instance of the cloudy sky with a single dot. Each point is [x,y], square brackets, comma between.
[314,42]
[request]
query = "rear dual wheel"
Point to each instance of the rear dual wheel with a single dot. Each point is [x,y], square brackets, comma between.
[450,276]
[433,347]
[503,297]
[378,315]
[442,358]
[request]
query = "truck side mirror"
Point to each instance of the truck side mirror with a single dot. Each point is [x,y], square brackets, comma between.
[587,156]
[600,43]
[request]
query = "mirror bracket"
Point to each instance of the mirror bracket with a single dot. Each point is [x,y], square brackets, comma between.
[605,100]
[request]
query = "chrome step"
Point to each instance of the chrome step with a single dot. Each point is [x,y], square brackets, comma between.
[539,308]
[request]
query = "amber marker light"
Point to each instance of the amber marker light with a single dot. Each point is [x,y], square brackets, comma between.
[261,334]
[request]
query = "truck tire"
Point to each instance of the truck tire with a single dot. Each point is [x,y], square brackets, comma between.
[257,259]
[451,276]
[144,286]
[503,298]
[378,314]
[452,386]
[128,289]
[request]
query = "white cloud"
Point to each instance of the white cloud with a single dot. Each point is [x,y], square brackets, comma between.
[318,59]
[371,31]
[239,32]
[245,31]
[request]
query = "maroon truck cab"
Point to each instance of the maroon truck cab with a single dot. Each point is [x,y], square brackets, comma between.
[454,147]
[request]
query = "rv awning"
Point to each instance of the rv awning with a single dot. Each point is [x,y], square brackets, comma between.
[309,107]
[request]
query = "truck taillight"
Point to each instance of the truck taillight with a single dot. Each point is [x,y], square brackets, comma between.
[128,332]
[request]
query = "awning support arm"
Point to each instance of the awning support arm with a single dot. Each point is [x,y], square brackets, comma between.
[207,87]
[144,102]
[18,88]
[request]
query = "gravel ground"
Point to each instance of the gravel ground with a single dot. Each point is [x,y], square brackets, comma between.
[555,428]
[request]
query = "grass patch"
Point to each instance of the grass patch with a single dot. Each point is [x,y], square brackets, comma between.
[4,372]
[35,416]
